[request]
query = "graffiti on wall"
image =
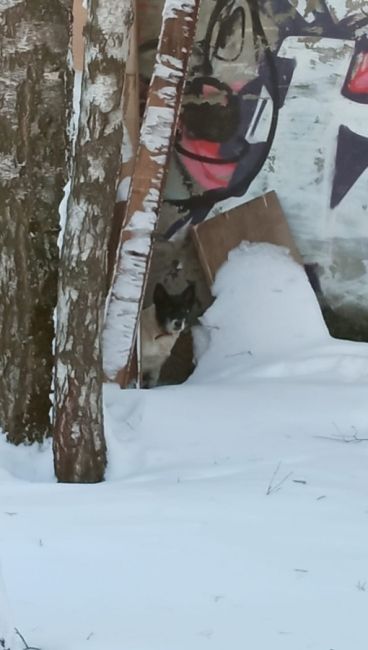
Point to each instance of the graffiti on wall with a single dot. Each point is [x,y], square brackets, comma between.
[276,99]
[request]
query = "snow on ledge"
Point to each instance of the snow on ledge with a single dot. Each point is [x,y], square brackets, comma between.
[172,7]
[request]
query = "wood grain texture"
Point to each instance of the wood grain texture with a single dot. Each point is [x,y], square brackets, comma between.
[259,220]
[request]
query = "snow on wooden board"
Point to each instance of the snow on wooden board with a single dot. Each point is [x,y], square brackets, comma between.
[8,4]
[156,140]
[173,6]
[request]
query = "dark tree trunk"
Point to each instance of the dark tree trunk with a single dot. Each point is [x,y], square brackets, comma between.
[79,445]
[34,37]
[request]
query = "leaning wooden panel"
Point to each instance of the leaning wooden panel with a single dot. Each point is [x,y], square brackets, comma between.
[79,21]
[130,144]
[156,141]
[259,220]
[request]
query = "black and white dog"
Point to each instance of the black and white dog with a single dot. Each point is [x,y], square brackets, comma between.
[161,326]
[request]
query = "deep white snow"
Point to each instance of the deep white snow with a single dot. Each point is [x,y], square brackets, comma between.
[235,511]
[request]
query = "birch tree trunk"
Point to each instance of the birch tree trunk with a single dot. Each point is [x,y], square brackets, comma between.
[79,445]
[165,93]
[33,43]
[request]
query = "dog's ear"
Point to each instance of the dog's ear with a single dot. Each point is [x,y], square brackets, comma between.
[160,294]
[188,296]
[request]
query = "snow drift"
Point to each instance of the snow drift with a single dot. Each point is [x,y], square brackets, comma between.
[235,510]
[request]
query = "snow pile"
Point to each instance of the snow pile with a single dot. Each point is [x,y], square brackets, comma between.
[235,510]
[26,463]
[266,321]
[265,309]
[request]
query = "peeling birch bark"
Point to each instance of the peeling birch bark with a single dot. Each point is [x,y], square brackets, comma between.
[79,444]
[156,142]
[34,40]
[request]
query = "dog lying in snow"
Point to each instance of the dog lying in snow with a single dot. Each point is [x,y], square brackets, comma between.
[161,326]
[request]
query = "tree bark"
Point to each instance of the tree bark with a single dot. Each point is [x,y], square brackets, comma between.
[79,445]
[156,142]
[34,38]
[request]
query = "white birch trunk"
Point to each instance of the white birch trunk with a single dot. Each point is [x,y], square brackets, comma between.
[156,142]
[79,445]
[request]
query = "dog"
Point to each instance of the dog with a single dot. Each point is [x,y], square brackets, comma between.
[161,326]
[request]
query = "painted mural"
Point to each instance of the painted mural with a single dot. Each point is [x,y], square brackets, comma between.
[277,99]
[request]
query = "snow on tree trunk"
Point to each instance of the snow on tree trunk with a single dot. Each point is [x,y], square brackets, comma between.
[79,445]
[156,142]
[34,40]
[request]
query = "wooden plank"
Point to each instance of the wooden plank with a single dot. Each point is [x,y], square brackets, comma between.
[156,141]
[259,220]
[79,20]
[131,138]
[131,102]
[131,135]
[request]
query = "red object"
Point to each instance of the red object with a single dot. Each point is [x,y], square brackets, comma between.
[358,81]
[209,176]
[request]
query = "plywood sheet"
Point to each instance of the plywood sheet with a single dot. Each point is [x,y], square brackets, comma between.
[259,220]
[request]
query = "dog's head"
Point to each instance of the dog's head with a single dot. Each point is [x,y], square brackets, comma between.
[172,311]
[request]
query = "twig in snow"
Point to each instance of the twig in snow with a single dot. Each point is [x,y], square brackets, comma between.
[346,439]
[361,586]
[239,354]
[275,487]
[129,424]
[343,438]
[21,637]
[26,646]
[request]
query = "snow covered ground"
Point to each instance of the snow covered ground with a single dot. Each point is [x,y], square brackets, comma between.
[235,514]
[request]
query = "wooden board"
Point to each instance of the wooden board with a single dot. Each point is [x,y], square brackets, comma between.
[259,220]
[79,20]
[157,135]
[131,100]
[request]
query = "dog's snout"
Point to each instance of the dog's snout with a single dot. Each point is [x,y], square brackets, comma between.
[178,324]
